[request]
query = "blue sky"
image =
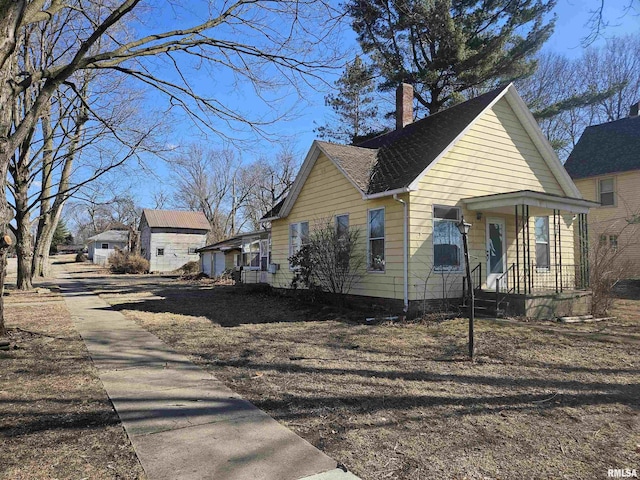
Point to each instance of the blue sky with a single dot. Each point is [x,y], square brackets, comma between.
[571,29]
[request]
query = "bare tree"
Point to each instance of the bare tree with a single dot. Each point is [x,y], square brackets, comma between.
[267,182]
[204,181]
[279,48]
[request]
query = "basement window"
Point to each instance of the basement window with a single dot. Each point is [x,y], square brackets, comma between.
[160,252]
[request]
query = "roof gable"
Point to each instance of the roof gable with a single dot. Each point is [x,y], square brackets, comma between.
[607,148]
[180,219]
[396,161]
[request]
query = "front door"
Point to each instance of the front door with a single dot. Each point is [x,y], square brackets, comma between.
[496,250]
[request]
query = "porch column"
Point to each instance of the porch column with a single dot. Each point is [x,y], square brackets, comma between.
[517,237]
[583,247]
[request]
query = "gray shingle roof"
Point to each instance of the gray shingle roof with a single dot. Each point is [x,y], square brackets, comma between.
[176,219]
[607,148]
[395,159]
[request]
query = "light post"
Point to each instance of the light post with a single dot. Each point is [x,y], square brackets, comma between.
[464,231]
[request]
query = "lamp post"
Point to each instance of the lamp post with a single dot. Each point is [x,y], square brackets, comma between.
[464,231]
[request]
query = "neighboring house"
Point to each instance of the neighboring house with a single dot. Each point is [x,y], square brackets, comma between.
[171,238]
[249,252]
[485,160]
[605,166]
[101,246]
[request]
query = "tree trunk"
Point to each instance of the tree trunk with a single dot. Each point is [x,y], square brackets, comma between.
[10,15]
[43,242]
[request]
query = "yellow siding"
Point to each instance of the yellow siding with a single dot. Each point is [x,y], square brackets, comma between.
[613,220]
[495,156]
[327,193]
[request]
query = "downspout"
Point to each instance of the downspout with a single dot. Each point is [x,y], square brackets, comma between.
[405,251]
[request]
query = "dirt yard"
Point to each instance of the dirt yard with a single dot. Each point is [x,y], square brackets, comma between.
[400,401]
[56,420]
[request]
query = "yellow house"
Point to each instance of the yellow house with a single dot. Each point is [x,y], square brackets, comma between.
[605,166]
[485,161]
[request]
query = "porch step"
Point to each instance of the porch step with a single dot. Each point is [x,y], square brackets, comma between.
[486,305]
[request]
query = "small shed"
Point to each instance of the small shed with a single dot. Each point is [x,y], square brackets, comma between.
[101,246]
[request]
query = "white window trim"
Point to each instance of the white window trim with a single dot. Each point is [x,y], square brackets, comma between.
[335,221]
[250,242]
[163,251]
[613,191]
[384,238]
[445,269]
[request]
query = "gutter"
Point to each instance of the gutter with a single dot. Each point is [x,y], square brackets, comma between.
[388,193]
[405,251]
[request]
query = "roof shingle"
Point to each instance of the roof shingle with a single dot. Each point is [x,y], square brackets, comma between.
[607,148]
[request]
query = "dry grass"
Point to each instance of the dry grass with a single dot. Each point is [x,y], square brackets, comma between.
[401,401]
[56,420]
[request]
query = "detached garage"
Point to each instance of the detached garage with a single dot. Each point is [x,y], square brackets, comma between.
[221,256]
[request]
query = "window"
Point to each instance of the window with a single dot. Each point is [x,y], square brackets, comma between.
[298,236]
[264,254]
[613,242]
[192,250]
[542,242]
[606,191]
[236,259]
[160,252]
[342,226]
[447,239]
[376,240]
[603,240]
[251,254]
[105,246]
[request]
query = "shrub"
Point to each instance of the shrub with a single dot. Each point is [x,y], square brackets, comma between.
[81,257]
[125,262]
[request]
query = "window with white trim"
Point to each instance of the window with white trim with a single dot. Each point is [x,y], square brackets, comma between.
[105,246]
[447,239]
[542,242]
[375,233]
[605,189]
[298,236]
[192,250]
[613,242]
[159,252]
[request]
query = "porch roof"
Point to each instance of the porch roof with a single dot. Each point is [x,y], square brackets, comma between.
[540,201]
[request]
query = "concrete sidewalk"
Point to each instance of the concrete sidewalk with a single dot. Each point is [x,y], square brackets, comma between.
[183,422]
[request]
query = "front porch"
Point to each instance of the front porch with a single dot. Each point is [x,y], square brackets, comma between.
[537,262]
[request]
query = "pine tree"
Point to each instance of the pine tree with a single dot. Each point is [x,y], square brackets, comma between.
[448,47]
[353,105]
[61,236]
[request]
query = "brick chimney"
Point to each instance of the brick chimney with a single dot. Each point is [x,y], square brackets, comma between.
[404,105]
[634,110]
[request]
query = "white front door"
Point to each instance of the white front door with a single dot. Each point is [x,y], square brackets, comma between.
[496,250]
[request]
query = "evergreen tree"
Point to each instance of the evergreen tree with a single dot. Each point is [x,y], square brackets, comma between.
[353,104]
[61,236]
[447,47]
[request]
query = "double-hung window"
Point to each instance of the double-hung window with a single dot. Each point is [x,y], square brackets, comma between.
[375,232]
[447,240]
[298,236]
[605,189]
[542,243]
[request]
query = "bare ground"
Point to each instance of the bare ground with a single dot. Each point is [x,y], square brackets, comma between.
[56,420]
[400,401]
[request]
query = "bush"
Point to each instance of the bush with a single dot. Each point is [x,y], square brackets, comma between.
[81,257]
[125,262]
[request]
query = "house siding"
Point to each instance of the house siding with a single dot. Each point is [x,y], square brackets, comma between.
[496,155]
[614,220]
[327,193]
